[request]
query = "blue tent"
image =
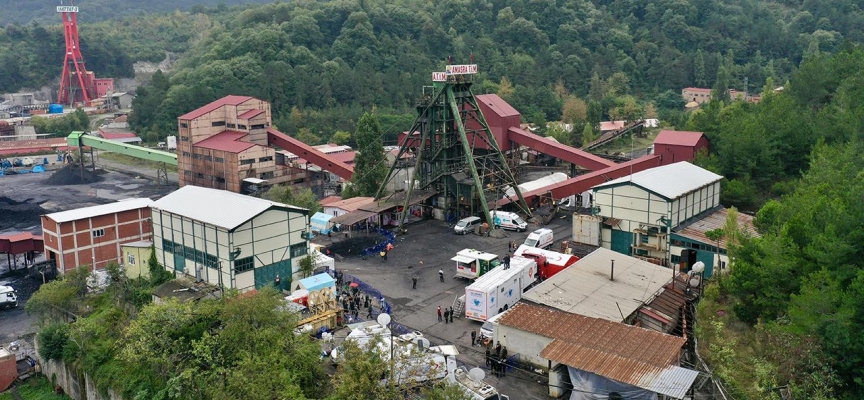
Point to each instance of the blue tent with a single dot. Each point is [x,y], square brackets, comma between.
[55,109]
[320,222]
[316,282]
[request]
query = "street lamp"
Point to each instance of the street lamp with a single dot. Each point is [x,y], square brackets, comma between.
[384,320]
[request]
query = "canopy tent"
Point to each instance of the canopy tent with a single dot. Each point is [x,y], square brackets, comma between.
[320,222]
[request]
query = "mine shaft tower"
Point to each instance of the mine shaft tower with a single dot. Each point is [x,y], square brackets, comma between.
[455,152]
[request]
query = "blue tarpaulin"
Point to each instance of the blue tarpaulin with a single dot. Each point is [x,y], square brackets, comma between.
[316,282]
[320,222]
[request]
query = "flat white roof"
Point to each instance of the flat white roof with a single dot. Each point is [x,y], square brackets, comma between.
[95,211]
[585,288]
[670,181]
[498,274]
[477,255]
[140,243]
[216,207]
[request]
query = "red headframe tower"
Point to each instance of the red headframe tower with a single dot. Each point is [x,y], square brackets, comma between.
[76,83]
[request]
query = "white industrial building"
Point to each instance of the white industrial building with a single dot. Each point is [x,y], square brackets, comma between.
[228,239]
[639,211]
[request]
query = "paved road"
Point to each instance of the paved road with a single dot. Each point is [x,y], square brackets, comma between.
[428,246]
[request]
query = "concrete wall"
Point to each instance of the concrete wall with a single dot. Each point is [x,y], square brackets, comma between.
[76,385]
[528,345]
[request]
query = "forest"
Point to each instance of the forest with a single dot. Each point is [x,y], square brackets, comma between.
[44,11]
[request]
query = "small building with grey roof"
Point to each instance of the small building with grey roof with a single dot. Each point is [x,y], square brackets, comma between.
[640,210]
[230,240]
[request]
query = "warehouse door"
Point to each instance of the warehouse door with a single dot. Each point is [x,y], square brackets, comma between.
[179,262]
[266,275]
[621,241]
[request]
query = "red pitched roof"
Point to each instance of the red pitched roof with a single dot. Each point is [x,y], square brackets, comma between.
[225,101]
[345,158]
[696,89]
[329,199]
[497,105]
[249,114]
[226,141]
[678,138]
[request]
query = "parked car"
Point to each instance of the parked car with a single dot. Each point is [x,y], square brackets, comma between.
[541,239]
[509,220]
[8,297]
[466,225]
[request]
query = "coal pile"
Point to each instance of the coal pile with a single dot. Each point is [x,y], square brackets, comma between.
[354,246]
[18,215]
[72,175]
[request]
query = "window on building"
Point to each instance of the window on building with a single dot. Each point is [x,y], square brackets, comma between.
[186,154]
[232,126]
[298,249]
[676,259]
[247,162]
[260,126]
[266,175]
[187,172]
[220,159]
[97,233]
[244,264]
[200,175]
[184,138]
[130,258]
[208,158]
[211,261]
[184,125]
[220,179]
[167,245]
[643,238]
[641,252]
[241,126]
[263,159]
[217,123]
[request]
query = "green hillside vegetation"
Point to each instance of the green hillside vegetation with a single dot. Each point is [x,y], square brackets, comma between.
[45,11]
[792,306]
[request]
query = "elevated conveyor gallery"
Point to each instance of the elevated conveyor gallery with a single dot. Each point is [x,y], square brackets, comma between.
[584,182]
[558,150]
[80,139]
[308,153]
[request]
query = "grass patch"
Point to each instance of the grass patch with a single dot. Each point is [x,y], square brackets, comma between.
[35,388]
[133,161]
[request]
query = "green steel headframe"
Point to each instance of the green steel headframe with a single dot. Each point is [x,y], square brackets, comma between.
[449,123]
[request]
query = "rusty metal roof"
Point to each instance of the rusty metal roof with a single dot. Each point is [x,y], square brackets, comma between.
[625,353]
[696,230]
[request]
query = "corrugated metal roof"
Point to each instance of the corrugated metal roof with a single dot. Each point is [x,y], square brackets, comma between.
[226,141]
[216,207]
[95,211]
[666,378]
[678,138]
[351,204]
[695,89]
[585,287]
[140,243]
[611,125]
[670,181]
[250,114]
[696,230]
[497,105]
[225,101]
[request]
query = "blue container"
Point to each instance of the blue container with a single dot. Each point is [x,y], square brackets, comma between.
[55,109]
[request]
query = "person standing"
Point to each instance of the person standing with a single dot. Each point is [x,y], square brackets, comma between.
[451,315]
[441,275]
[498,350]
[446,315]
[488,355]
[414,282]
[513,245]
[383,255]
[473,337]
[369,315]
[507,261]
[439,313]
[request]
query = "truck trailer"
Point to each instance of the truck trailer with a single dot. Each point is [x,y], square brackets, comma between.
[499,289]
[548,262]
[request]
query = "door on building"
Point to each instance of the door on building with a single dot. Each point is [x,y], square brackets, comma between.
[179,262]
[622,241]
[266,275]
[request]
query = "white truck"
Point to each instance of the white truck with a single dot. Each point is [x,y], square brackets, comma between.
[499,289]
[541,239]
[8,297]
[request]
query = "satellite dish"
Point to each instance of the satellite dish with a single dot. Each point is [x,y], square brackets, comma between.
[383,319]
[476,374]
[698,267]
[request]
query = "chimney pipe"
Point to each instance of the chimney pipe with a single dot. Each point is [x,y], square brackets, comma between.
[612,274]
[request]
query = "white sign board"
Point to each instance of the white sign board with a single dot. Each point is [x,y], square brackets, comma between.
[439,77]
[461,69]
[62,9]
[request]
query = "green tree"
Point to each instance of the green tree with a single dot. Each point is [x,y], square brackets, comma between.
[158,274]
[306,136]
[341,137]
[720,92]
[302,197]
[588,135]
[307,266]
[369,167]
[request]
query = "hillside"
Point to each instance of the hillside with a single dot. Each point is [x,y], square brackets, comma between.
[44,11]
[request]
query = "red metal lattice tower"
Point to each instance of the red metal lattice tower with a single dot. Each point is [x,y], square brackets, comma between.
[76,83]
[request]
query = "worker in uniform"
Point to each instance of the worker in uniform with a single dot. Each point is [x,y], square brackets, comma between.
[441,275]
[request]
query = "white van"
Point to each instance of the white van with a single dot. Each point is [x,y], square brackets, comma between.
[466,225]
[509,220]
[541,239]
[8,297]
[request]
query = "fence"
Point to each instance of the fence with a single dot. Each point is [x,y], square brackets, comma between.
[374,250]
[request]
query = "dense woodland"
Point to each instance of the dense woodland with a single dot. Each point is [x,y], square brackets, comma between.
[787,316]
[45,11]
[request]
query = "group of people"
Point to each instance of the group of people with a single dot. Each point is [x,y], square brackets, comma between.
[351,303]
[447,314]
[385,251]
[496,359]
